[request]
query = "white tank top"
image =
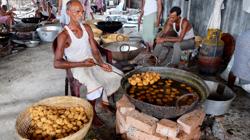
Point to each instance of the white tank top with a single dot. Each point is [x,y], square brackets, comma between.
[150,7]
[79,49]
[189,34]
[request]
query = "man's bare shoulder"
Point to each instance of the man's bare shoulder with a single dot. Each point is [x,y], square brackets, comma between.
[87,27]
[185,20]
[89,30]
[63,35]
[63,39]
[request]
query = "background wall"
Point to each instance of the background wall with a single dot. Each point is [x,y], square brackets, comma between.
[234,19]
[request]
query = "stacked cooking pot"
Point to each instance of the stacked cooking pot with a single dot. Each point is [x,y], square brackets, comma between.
[27,24]
[4,34]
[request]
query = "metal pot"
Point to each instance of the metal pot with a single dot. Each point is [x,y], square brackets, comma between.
[25,27]
[109,26]
[167,111]
[31,20]
[219,99]
[4,37]
[48,33]
[32,43]
[124,50]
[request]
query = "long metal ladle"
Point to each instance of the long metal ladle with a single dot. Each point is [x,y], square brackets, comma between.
[112,70]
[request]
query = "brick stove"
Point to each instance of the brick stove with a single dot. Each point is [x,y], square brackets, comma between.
[135,125]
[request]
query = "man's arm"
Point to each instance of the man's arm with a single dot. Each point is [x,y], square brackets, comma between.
[10,12]
[95,51]
[1,13]
[142,13]
[182,34]
[159,12]
[93,45]
[59,8]
[49,11]
[63,41]
[161,36]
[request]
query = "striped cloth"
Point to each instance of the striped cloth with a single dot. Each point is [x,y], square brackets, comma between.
[241,66]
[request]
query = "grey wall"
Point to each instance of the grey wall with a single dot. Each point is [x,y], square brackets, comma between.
[234,19]
[135,3]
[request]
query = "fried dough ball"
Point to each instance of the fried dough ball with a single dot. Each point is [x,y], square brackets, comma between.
[144,78]
[55,122]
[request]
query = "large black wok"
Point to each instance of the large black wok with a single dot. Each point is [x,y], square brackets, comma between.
[31,20]
[167,111]
[109,26]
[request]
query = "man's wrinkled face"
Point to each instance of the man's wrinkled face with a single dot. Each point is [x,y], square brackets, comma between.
[76,12]
[173,17]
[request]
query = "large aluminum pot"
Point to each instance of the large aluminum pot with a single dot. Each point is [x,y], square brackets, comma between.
[219,99]
[172,73]
[48,33]
[124,50]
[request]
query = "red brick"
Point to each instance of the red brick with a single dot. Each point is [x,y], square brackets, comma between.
[135,134]
[121,126]
[124,105]
[184,136]
[197,136]
[192,120]
[141,121]
[167,128]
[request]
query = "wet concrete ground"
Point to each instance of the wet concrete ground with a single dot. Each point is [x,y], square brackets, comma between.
[29,76]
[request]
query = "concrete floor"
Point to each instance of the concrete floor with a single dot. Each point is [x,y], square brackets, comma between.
[26,77]
[29,76]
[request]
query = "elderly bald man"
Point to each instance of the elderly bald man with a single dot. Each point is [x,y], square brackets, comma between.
[76,50]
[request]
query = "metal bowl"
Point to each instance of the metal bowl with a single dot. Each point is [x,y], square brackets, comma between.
[172,73]
[219,99]
[32,43]
[124,50]
[48,33]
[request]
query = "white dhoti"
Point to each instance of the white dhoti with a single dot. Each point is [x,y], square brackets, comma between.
[98,81]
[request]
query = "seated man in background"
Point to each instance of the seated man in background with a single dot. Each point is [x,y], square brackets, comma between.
[5,16]
[183,41]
